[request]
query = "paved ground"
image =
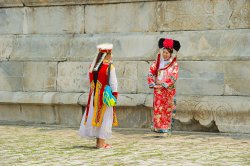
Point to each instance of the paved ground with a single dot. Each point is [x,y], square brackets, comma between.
[54,145]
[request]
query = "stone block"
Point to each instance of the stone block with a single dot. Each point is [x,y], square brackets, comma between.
[11,20]
[131,117]
[240,14]
[39,76]
[73,77]
[10,3]
[6,47]
[127,17]
[55,20]
[43,114]
[194,15]
[131,100]
[127,76]
[40,48]
[9,113]
[11,76]
[200,78]
[69,115]
[214,45]
[237,78]
[126,46]
[142,83]
[40,98]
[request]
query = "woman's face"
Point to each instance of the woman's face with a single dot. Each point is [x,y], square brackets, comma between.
[165,54]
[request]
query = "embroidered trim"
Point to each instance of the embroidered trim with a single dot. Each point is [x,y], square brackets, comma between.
[98,112]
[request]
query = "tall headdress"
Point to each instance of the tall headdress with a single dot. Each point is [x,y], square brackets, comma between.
[167,43]
[104,48]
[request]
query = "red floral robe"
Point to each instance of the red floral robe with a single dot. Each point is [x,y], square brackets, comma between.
[164,103]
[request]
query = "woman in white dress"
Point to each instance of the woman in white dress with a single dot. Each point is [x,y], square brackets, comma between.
[98,118]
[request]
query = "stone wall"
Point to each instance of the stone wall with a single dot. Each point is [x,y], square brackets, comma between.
[47,46]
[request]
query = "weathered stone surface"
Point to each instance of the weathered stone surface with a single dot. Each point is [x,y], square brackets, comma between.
[41,114]
[27,114]
[127,76]
[121,17]
[9,112]
[128,17]
[240,14]
[200,78]
[129,117]
[142,83]
[237,78]
[45,114]
[41,98]
[74,2]
[193,15]
[203,45]
[11,76]
[69,115]
[194,125]
[126,46]
[214,45]
[6,47]
[54,20]
[39,76]
[40,48]
[230,113]
[11,21]
[73,77]
[10,3]
[131,100]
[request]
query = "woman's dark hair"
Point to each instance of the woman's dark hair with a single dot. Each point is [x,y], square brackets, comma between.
[99,57]
[169,50]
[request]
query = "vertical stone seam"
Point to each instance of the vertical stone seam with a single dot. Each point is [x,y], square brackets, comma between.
[84,19]
[25,20]
[231,14]
[57,75]
[137,73]
[78,100]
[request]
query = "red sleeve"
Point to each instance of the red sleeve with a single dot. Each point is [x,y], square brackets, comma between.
[151,75]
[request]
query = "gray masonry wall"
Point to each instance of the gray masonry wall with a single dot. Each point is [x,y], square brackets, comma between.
[47,46]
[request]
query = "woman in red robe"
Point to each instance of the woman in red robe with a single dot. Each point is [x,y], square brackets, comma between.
[162,77]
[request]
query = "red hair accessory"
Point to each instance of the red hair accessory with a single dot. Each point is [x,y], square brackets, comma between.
[168,43]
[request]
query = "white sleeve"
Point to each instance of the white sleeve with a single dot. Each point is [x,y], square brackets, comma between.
[113,80]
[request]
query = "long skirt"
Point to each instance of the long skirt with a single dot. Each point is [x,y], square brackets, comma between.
[164,109]
[104,131]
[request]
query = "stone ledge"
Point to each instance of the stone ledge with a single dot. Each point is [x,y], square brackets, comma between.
[60,98]
[189,104]
[22,3]
[227,113]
